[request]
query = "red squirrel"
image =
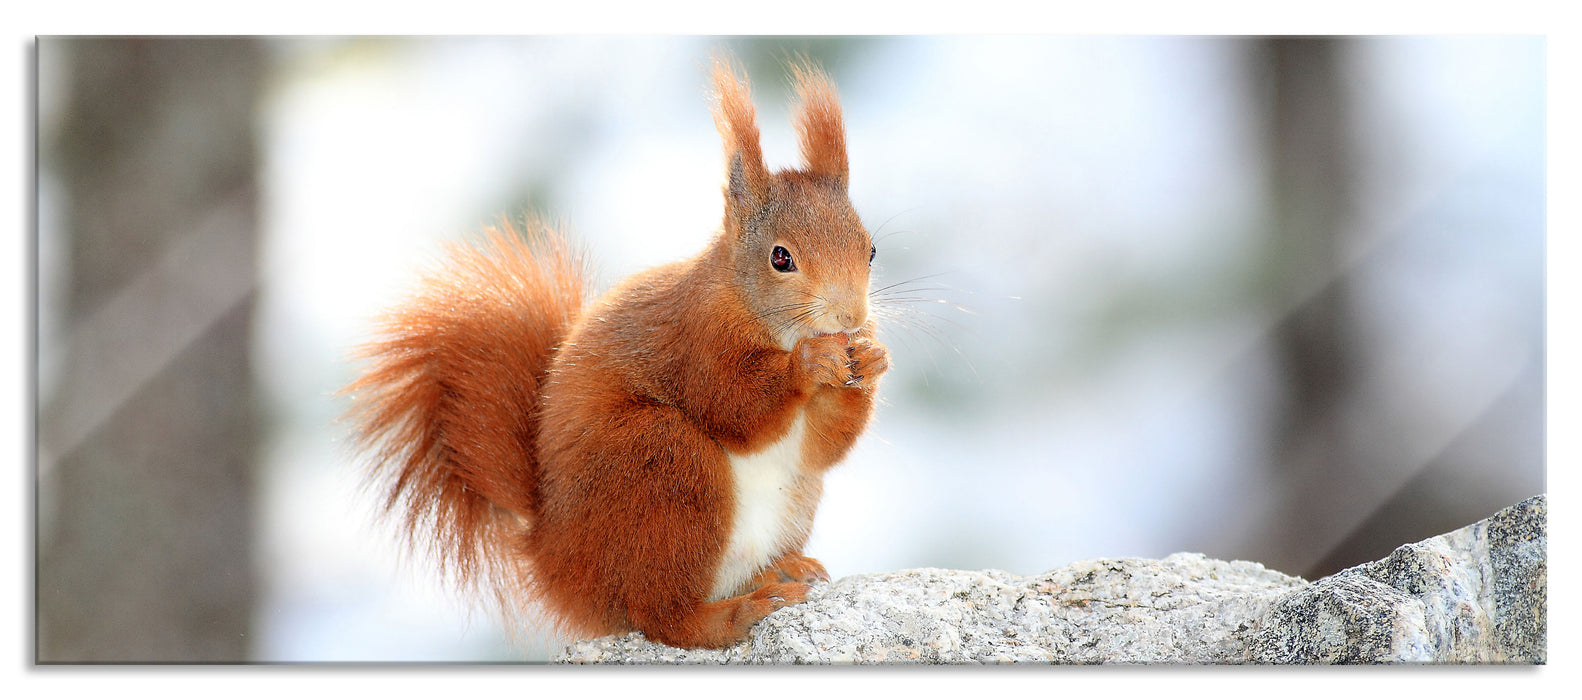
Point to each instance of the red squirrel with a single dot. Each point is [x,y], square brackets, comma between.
[651,460]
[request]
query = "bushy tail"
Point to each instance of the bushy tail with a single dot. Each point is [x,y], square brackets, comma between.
[448,407]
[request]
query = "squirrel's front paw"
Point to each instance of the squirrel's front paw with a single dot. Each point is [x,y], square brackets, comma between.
[791,567]
[824,359]
[868,360]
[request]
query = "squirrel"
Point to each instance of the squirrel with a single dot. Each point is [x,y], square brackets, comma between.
[651,460]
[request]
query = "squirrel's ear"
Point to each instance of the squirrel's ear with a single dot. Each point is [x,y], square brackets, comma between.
[747,180]
[818,122]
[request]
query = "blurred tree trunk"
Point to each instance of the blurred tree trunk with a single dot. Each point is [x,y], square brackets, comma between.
[1318,468]
[1354,481]
[146,441]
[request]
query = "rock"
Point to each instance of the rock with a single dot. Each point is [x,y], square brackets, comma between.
[1476,595]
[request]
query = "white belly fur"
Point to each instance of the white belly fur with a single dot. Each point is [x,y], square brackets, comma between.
[766,521]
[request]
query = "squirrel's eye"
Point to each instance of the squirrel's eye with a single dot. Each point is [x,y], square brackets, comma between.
[872,251]
[780,258]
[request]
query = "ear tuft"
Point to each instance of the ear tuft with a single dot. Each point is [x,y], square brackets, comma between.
[818,121]
[747,180]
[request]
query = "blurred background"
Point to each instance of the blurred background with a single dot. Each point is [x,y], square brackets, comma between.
[1279,300]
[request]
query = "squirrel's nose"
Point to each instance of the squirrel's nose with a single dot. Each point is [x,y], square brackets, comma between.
[846,307]
[852,316]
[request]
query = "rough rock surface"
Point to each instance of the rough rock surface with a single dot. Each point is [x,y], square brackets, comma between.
[1476,595]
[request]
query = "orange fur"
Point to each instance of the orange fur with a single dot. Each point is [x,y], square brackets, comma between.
[589,458]
[818,122]
[449,406]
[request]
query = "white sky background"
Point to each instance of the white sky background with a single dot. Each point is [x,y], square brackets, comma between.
[1035,174]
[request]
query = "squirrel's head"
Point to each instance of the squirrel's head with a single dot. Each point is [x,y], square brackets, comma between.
[798,252]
